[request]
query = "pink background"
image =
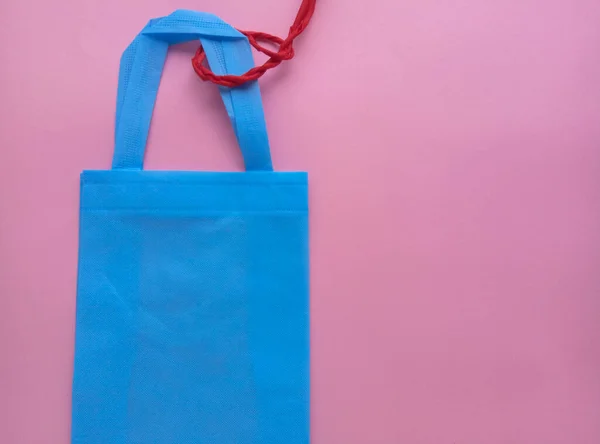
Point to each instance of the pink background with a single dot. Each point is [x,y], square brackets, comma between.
[454,156]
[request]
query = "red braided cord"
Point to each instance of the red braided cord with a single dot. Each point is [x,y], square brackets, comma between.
[285,52]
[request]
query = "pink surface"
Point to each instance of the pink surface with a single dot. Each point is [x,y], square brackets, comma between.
[454,159]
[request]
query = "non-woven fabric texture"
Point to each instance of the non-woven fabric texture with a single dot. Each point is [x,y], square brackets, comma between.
[193,297]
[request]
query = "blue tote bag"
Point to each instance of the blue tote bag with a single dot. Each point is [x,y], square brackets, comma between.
[192,302]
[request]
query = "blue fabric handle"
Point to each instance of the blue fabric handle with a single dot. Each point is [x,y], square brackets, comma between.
[227,51]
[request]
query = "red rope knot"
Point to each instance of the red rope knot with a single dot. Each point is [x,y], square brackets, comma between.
[285,51]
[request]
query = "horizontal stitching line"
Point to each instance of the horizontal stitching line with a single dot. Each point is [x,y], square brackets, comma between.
[304,185]
[167,210]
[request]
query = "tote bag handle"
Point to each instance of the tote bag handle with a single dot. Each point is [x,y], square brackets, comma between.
[227,51]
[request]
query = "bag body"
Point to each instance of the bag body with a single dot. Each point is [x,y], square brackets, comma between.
[193,299]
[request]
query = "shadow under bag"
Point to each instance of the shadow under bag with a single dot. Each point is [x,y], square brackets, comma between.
[192,300]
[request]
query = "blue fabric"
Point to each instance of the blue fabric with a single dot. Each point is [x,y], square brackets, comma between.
[192,301]
[227,51]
